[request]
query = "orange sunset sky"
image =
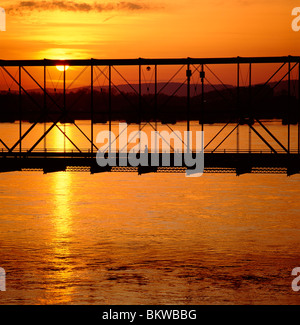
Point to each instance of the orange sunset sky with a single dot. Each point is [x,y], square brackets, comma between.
[158,28]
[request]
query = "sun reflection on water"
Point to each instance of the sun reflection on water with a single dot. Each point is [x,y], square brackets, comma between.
[62,222]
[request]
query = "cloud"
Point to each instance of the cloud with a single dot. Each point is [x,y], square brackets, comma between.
[22,6]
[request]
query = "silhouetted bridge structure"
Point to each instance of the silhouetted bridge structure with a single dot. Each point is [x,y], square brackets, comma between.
[22,80]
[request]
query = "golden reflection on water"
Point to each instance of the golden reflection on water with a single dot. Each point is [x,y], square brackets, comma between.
[62,217]
[57,140]
[62,222]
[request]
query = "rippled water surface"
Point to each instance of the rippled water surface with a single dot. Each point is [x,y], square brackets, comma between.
[120,238]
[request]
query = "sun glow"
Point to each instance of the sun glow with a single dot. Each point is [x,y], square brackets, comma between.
[62,67]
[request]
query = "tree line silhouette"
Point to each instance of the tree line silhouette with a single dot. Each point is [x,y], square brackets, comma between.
[219,104]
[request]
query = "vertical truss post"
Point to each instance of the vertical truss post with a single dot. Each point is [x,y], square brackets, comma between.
[140,105]
[250,104]
[188,75]
[238,108]
[20,109]
[202,76]
[155,107]
[92,110]
[45,105]
[65,108]
[109,106]
[289,107]
[299,108]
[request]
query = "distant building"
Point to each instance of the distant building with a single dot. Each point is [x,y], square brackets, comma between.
[2,20]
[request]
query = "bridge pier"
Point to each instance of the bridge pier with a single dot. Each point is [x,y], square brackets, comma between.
[146,170]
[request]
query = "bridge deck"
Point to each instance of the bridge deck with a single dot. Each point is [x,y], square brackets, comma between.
[239,163]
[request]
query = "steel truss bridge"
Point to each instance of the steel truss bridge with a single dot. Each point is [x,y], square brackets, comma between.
[200,77]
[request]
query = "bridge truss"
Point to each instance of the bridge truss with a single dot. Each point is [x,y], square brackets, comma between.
[224,95]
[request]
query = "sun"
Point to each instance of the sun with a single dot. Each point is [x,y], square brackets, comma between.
[62,67]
